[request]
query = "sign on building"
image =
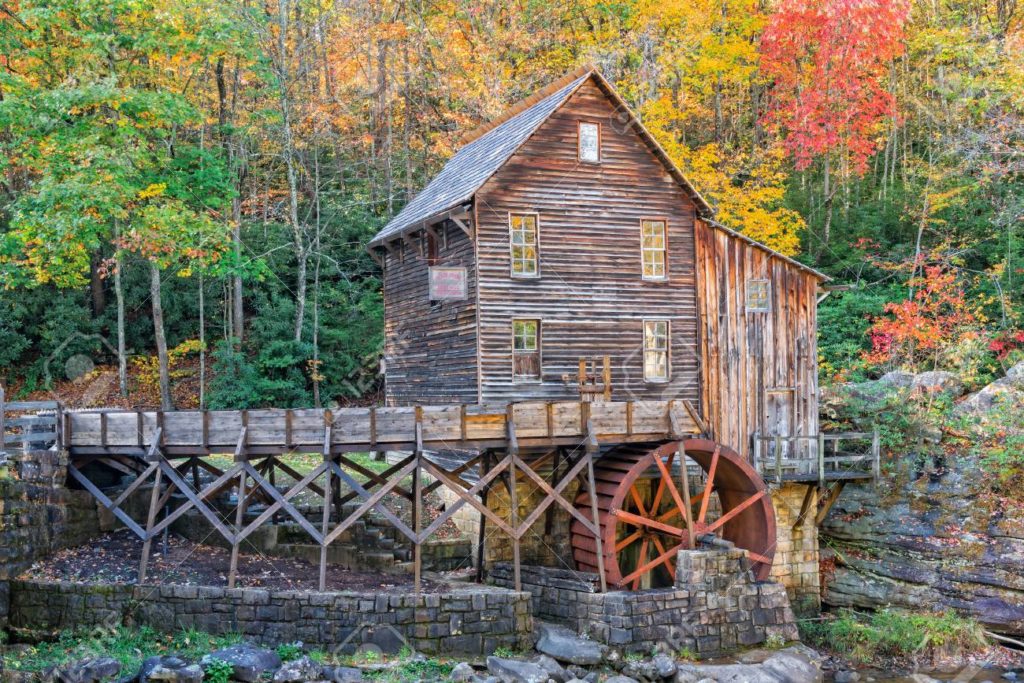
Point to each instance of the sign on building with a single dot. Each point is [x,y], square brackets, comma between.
[447,284]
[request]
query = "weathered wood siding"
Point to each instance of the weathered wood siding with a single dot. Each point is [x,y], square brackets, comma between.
[590,296]
[760,369]
[430,348]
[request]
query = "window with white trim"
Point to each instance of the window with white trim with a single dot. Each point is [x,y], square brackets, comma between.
[525,350]
[653,249]
[758,296]
[589,142]
[656,350]
[523,243]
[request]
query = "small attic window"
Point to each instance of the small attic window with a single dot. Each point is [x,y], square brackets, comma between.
[758,296]
[589,142]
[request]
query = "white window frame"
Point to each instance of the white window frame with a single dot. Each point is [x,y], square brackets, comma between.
[579,141]
[527,379]
[644,250]
[512,246]
[667,350]
[764,306]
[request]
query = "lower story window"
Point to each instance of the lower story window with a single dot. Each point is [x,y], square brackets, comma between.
[525,350]
[656,350]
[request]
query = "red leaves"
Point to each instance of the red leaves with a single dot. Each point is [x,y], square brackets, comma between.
[828,61]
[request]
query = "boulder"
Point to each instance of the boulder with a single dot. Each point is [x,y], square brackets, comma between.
[515,671]
[1016,374]
[898,378]
[938,382]
[789,665]
[553,669]
[299,671]
[247,661]
[344,674]
[621,679]
[169,669]
[565,646]
[462,672]
[89,670]
[1003,391]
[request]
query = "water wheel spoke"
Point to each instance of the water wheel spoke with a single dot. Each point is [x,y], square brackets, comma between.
[637,500]
[670,563]
[636,576]
[632,538]
[661,483]
[637,520]
[666,478]
[736,510]
[708,487]
[640,571]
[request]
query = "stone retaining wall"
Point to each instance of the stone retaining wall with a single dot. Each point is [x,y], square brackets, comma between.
[716,606]
[796,564]
[38,515]
[474,620]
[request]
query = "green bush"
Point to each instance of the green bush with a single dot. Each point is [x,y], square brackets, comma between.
[218,671]
[893,634]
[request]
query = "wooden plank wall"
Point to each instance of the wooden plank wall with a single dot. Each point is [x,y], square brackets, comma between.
[590,296]
[429,348]
[748,355]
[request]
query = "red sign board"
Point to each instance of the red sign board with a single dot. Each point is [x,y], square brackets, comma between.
[447,284]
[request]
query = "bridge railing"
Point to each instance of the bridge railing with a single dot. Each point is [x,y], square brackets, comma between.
[817,457]
[28,426]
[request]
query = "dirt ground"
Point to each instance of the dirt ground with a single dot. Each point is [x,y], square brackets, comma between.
[114,558]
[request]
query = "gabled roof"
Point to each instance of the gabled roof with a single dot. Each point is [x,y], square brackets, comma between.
[477,161]
[489,146]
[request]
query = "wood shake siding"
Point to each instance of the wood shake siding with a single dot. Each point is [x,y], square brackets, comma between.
[430,348]
[590,295]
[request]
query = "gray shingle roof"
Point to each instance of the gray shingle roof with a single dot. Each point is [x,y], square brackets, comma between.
[472,165]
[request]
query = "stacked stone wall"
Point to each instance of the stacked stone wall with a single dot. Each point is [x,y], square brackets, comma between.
[796,563]
[715,607]
[475,620]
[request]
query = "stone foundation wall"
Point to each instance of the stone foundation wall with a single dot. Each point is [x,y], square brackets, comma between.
[38,515]
[475,620]
[796,563]
[716,606]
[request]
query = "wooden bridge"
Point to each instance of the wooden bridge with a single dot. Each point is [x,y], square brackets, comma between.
[548,445]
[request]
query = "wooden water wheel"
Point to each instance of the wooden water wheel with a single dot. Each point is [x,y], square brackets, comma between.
[641,504]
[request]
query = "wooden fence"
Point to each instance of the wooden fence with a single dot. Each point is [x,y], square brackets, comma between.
[29,425]
[818,458]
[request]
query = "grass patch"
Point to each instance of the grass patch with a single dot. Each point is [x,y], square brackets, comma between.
[894,635]
[413,670]
[130,646]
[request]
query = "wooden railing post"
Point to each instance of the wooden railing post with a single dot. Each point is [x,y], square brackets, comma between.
[778,459]
[821,459]
[876,453]
[2,428]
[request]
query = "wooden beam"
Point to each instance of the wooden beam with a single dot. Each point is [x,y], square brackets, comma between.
[154,508]
[830,500]
[805,506]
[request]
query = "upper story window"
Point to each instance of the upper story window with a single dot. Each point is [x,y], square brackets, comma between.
[589,143]
[525,350]
[656,346]
[653,249]
[523,243]
[758,296]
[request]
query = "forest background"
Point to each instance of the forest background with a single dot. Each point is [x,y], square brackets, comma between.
[187,187]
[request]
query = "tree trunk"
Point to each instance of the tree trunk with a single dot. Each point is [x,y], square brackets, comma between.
[122,356]
[202,344]
[99,297]
[301,253]
[161,339]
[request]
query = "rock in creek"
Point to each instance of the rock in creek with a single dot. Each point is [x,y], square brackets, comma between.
[515,671]
[88,671]
[565,646]
[247,661]
[169,669]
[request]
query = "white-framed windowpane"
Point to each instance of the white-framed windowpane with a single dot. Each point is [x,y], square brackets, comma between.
[589,142]
[523,241]
[525,350]
[758,296]
[652,248]
[656,350]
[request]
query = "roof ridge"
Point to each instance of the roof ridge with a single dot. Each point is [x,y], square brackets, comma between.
[525,103]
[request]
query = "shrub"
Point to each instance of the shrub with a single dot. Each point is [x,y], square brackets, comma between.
[218,671]
[894,634]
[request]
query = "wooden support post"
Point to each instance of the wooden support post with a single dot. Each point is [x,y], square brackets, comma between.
[687,509]
[595,516]
[778,460]
[805,507]
[485,467]
[513,497]
[830,500]
[240,508]
[607,376]
[417,496]
[2,427]
[821,459]
[154,508]
[325,519]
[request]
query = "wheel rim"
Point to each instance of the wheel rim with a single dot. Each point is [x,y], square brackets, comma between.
[642,517]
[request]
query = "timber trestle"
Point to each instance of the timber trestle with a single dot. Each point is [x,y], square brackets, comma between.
[548,445]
